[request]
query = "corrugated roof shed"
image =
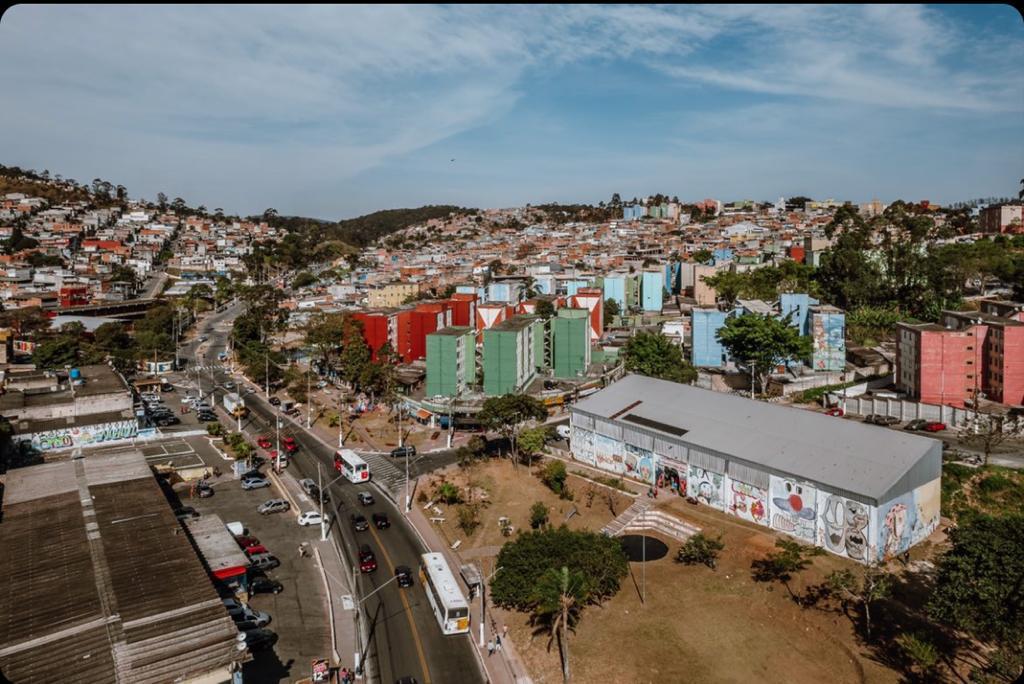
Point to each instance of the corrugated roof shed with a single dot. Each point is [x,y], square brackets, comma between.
[863,459]
[102,583]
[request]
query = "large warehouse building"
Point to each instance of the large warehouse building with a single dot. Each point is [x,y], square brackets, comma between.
[857,490]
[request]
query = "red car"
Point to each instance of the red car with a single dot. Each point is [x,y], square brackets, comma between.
[263,442]
[835,411]
[290,445]
[246,542]
[367,561]
[934,427]
[256,548]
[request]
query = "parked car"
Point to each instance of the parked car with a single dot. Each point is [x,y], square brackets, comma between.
[264,561]
[367,561]
[229,385]
[403,452]
[290,445]
[273,506]
[380,520]
[312,518]
[404,576]
[835,411]
[246,541]
[204,490]
[203,338]
[365,498]
[255,483]
[258,639]
[245,614]
[207,417]
[359,523]
[878,419]
[256,550]
[917,424]
[934,426]
[563,431]
[265,585]
[263,442]
[274,401]
[186,512]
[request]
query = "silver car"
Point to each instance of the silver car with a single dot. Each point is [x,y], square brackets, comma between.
[273,506]
[255,483]
[263,561]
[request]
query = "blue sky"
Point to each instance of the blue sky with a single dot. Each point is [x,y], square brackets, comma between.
[337,111]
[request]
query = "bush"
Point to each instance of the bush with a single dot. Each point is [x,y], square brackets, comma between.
[214,429]
[533,553]
[448,493]
[553,476]
[469,518]
[701,550]
[538,515]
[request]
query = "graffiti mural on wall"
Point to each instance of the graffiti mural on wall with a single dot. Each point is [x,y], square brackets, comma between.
[66,438]
[639,463]
[583,445]
[907,519]
[844,526]
[706,486]
[793,506]
[607,455]
[671,474]
[749,502]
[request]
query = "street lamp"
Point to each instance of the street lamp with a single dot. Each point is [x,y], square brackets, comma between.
[483,603]
[320,479]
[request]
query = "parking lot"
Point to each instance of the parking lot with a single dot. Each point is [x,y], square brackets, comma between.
[299,612]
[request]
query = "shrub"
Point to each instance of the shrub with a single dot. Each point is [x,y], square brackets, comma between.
[538,515]
[469,518]
[422,497]
[554,475]
[921,654]
[448,493]
[214,429]
[701,550]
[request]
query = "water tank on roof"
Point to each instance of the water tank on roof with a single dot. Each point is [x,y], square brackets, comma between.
[75,374]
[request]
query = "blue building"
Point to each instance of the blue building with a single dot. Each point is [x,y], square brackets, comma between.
[510,292]
[614,288]
[652,288]
[673,277]
[706,350]
[633,213]
[573,286]
[722,255]
[544,284]
[798,304]
[828,338]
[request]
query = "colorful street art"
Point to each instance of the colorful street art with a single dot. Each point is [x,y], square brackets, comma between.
[907,519]
[749,502]
[844,528]
[582,445]
[706,486]
[607,455]
[828,335]
[793,506]
[671,474]
[639,463]
[66,438]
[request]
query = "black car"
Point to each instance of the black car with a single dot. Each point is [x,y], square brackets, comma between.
[167,420]
[259,639]
[403,452]
[204,490]
[186,512]
[359,522]
[403,576]
[917,424]
[207,417]
[380,520]
[265,585]
[274,401]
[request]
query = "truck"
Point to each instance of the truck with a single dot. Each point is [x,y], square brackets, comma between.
[287,405]
[234,405]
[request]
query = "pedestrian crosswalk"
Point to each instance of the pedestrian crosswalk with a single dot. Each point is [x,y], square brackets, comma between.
[209,367]
[385,472]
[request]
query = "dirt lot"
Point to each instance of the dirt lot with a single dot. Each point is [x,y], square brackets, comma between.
[697,625]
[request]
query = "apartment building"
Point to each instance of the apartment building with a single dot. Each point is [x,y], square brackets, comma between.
[391,295]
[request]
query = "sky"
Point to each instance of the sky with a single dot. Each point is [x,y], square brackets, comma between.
[333,112]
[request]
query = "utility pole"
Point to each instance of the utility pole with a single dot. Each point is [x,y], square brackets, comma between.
[266,377]
[277,421]
[309,399]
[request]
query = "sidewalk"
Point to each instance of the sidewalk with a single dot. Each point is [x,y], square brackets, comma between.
[504,667]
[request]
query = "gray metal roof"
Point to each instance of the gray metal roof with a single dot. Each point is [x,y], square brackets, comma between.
[863,459]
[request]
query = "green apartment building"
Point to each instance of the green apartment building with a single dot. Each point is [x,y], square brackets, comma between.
[451,361]
[570,332]
[509,355]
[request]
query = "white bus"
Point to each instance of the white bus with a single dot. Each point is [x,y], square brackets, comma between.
[450,606]
[351,466]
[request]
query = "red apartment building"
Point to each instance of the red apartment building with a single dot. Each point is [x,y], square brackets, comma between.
[974,352]
[73,295]
[405,329]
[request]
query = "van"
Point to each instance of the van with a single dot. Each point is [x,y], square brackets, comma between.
[403,452]
[236,528]
[563,431]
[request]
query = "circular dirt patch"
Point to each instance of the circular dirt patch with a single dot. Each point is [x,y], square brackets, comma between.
[633,545]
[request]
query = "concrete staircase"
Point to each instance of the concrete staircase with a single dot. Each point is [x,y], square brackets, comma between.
[662,522]
[616,526]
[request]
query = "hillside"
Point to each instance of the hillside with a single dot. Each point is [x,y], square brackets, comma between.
[363,230]
[14,179]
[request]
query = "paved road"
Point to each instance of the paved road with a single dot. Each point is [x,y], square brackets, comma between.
[405,639]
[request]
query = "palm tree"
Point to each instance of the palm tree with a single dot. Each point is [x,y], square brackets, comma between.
[558,598]
[1020,193]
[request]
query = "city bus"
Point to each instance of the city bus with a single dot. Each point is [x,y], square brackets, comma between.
[351,466]
[443,593]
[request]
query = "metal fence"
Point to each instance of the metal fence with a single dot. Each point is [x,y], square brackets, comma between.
[909,410]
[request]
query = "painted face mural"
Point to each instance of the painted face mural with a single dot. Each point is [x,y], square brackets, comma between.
[835,523]
[706,486]
[794,506]
[895,526]
[856,530]
[748,502]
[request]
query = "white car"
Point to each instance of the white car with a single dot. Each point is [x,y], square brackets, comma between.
[563,431]
[312,518]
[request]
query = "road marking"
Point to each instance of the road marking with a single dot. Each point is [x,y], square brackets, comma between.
[408,608]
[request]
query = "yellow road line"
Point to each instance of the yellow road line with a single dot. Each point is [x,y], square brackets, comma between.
[408,608]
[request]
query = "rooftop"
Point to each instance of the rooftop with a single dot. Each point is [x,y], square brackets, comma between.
[512,325]
[455,331]
[863,459]
[101,581]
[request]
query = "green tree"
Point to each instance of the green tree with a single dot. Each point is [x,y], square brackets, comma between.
[545,308]
[448,493]
[764,341]
[324,335]
[789,558]
[57,352]
[303,279]
[701,549]
[508,414]
[653,355]
[554,476]
[611,310]
[873,585]
[921,654]
[531,442]
[702,256]
[558,601]
[538,515]
[980,584]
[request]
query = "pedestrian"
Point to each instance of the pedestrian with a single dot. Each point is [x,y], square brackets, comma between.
[504,631]
[343,675]
[490,647]
[302,550]
[497,643]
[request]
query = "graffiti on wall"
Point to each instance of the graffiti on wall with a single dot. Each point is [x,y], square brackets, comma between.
[828,334]
[793,506]
[607,454]
[844,526]
[65,438]
[582,444]
[907,519]
[706,486]
[748,502]
[671,474]
[639,463]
